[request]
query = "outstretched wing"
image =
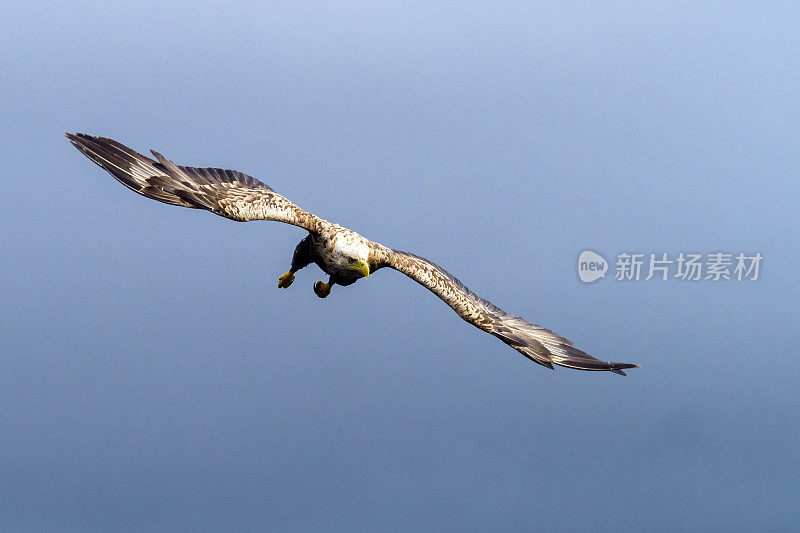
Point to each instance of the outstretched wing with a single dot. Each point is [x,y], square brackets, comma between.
[533,341]
[227,193]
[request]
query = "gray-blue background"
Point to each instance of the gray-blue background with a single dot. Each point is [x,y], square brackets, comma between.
[152,375]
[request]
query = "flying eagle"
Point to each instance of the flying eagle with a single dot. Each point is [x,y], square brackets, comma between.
[341,253]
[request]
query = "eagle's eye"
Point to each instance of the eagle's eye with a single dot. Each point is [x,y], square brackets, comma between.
[352,260]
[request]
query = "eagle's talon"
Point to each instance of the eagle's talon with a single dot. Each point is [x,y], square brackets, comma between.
[322,289]
[286,280]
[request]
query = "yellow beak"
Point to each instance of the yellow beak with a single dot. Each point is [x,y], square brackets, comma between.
[362,267]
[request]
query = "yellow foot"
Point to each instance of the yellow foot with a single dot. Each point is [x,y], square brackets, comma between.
[322,289]
[286,280]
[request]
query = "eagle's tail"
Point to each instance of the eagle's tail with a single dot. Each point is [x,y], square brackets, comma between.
[129,167]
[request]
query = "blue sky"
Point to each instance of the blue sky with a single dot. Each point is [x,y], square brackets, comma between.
[153,376]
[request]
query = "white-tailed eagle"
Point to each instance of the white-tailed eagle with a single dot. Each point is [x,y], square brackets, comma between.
[341,253]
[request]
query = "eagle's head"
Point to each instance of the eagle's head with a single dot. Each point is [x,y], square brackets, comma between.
[353,255]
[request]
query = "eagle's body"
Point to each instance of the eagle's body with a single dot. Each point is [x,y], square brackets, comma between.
[341,253]
[333,247]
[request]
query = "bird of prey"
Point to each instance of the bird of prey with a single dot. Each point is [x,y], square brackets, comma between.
[341,253]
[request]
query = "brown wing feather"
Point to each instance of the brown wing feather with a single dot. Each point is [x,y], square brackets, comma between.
[227,193]
[535,342]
